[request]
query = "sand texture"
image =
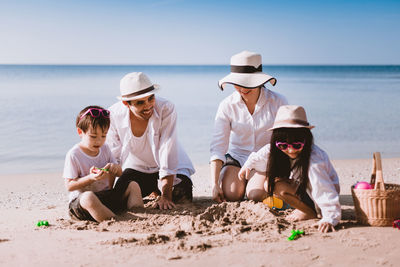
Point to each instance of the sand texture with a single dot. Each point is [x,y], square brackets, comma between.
[199,234]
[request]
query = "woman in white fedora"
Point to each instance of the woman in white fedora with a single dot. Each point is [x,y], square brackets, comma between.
[143,139]
[296,170]
[241,125]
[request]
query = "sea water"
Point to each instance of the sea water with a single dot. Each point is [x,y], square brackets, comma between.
[355,108]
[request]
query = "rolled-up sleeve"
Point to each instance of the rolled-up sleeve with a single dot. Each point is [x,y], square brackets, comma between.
[168,152]
[114,142]
[324,185]
[222,130]
[258,160]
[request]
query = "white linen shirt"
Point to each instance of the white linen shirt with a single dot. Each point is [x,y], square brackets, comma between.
[164,154]
[323,187]
[238,132]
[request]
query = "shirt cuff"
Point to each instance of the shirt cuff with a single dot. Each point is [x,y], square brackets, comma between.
[219,157]
[332,221]
[164,173]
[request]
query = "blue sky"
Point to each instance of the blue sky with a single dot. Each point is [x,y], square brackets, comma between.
[199,32]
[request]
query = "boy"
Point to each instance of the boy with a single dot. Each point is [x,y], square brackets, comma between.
[90,170]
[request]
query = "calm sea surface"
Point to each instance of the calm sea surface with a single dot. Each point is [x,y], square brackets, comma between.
[355,108]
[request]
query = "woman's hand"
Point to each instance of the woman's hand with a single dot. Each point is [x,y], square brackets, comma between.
[325,227]
[218,194]
[244,173]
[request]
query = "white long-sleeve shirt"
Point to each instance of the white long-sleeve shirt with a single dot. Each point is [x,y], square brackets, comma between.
[238,132]
[157,150]
[323,187]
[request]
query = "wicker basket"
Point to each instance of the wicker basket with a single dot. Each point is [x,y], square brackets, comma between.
[379,206]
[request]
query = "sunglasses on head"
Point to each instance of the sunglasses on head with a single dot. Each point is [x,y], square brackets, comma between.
[96,112]
[285,146]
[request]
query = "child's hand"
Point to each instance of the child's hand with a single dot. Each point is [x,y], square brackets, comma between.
[97,173]
[325,227]
[114,169]
[244,173]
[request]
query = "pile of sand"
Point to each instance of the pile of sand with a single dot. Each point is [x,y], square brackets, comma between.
[197,226]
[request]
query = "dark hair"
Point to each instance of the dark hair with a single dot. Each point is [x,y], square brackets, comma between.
[88,121]
[279,163]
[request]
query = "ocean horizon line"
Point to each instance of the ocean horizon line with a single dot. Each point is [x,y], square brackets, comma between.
[192,65]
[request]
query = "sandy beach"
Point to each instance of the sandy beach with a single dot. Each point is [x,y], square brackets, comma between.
[198,234]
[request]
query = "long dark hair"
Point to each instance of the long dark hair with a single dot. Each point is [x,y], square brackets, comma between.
[279,163]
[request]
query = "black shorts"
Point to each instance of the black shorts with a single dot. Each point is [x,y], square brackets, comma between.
[148,183]
[306,199]
[109,198]
[229,160]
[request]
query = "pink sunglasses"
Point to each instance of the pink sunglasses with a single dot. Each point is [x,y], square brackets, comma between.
[285,146]
[95,112]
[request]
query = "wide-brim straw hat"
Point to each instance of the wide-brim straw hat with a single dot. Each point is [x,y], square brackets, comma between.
[291,116]
[246,71]
[136,85]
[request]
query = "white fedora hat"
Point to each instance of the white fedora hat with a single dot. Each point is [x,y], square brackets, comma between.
[246,71]
[290,116]
[136,85]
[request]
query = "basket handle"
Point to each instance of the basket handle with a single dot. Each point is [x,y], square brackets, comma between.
[377,176]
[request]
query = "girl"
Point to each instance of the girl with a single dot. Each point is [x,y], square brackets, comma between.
[241,124]
[297,171]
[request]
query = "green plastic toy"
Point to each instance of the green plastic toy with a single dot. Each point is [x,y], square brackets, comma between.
[42,223]
[295,234]
[102,169]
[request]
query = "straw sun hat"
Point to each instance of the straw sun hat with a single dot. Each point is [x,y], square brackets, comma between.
[136,85]
[290,116]
[246,71]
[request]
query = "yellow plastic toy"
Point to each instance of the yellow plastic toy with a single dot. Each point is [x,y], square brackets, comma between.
[273,202]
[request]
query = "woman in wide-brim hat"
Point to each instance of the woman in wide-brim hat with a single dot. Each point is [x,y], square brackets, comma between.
[296,170]
[241,124]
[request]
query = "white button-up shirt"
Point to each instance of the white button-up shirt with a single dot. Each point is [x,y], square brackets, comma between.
[238,132]
[323,187]
[157,150]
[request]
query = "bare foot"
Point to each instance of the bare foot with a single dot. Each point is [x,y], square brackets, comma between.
[153,195]
[298,215]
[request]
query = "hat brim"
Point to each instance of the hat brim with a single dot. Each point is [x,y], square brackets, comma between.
[247,80]
[127,98]
[287,125]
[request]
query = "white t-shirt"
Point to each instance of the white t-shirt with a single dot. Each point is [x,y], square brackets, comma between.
[141,155]
[78,164]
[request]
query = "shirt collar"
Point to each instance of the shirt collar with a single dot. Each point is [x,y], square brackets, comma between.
[126,121]
[236,97]
[263,98]
[155,113]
